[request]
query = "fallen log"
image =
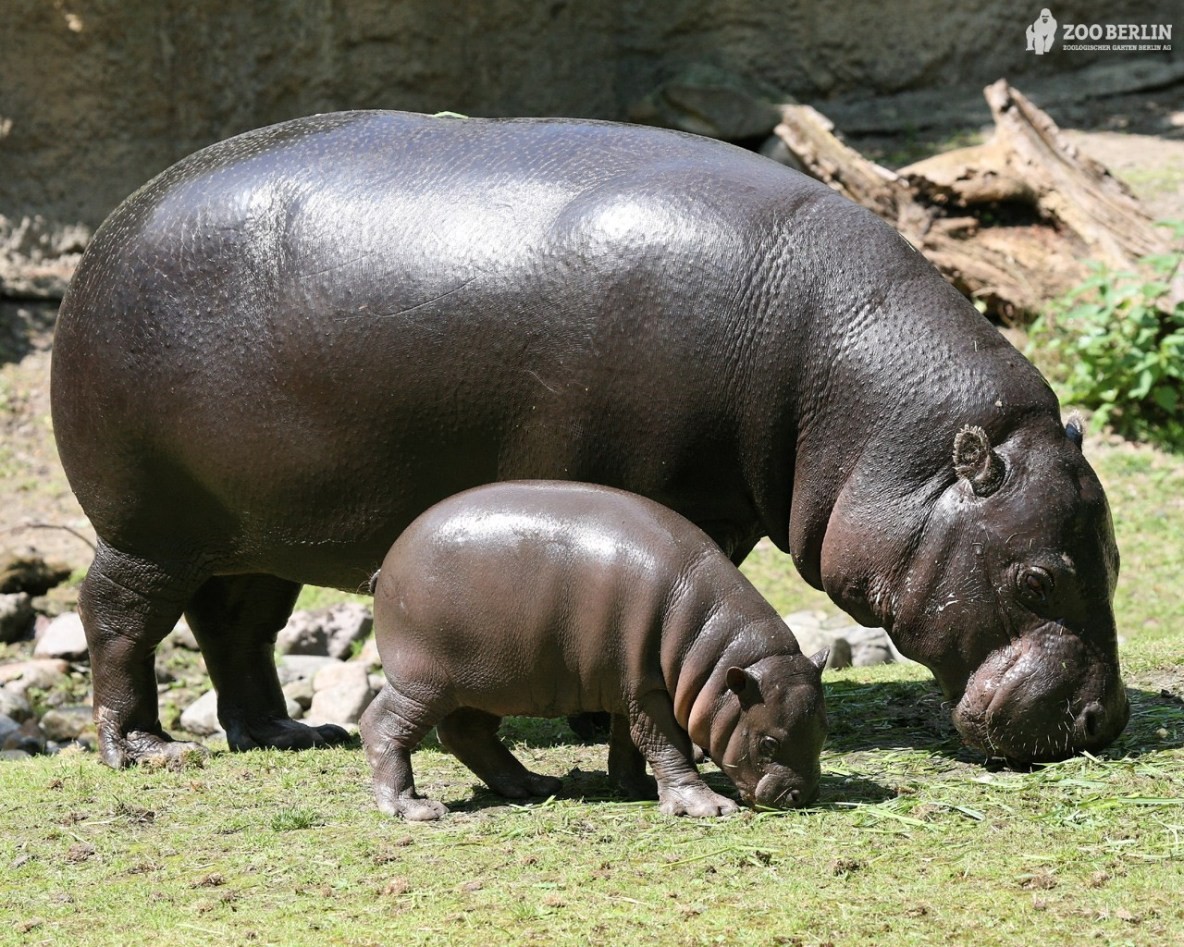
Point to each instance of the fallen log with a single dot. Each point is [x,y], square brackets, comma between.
[1009,222]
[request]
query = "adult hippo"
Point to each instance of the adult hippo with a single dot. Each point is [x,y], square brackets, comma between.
[281,350]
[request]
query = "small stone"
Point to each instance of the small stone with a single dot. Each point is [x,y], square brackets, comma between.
[44,674]
[67,723]
[29,737]
[63,638]
[30,573]
[804,619]
[295,667]
[369,654]
[8,726]
[331,631]
[201,717]
[14,704]
[340,674]
[299,692]
[869,646]
[341,694]
[14,756]
[16,616]
[182,637]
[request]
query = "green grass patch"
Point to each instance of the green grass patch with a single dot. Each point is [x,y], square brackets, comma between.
[913,841]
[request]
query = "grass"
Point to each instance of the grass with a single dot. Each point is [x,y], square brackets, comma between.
[913,841]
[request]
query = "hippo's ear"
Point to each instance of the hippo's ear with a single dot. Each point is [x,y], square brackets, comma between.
[745,685]
[1075,429]
[819,659]
[976,462]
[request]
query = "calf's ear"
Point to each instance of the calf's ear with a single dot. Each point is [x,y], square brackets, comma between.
[819,658]
[976,462]
[745,685]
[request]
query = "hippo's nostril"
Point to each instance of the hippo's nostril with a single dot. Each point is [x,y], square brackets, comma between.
[794,797]
[1093,715]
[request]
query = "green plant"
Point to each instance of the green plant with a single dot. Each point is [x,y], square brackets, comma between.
[1115,344]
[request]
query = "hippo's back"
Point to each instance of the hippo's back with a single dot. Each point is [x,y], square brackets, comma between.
[282,349]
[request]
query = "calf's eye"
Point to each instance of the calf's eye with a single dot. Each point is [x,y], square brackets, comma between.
[1035,584]
[769,746]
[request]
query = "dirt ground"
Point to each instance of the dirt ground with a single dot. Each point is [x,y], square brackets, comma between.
[1140,138]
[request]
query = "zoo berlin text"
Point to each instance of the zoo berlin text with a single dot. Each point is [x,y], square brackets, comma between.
[1143,37]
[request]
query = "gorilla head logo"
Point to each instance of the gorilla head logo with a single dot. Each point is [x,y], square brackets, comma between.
[1042,33]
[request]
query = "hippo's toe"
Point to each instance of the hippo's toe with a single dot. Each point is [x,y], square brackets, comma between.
[285,735]
[695,801]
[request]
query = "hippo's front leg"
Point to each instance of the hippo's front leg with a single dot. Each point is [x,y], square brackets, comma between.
[391,728]
[668,749]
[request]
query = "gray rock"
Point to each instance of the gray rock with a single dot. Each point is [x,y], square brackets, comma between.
[299,692]
[67,723]
[331,631]
[295,667]
[45,674]
[16,616]
[850,644]
[63,638]
[341,693]
[182,637]
[29,573]
[8,726]
[201,717]
[14,756]
[369,654]
[340,674]
[29,737]
[707,100]
[14,704]
[870,646]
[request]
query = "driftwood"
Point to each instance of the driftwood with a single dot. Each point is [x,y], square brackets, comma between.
[1009,222]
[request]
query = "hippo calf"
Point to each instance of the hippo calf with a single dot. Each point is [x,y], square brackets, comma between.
[546,599]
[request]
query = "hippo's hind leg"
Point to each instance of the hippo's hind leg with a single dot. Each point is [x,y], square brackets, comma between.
[235,620]
[392,727]
[128,605]
[471,736]
[626,765]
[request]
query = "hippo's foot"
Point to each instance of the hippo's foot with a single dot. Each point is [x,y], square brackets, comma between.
[284,734]
[638,786]
[697,801]
[412,808]
[524,785]
[147,748]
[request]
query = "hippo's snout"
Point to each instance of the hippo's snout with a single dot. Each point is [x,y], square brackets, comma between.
[1015,709]
[779,791]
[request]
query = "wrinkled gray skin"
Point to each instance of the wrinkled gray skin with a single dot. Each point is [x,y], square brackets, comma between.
[279,352]
[547,599]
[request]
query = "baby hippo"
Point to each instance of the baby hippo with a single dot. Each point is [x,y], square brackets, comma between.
[554,598]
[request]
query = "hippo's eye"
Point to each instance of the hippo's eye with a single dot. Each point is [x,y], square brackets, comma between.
[769,747]
[1035,584]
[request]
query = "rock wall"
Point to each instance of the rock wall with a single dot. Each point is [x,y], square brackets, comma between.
[98,95]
